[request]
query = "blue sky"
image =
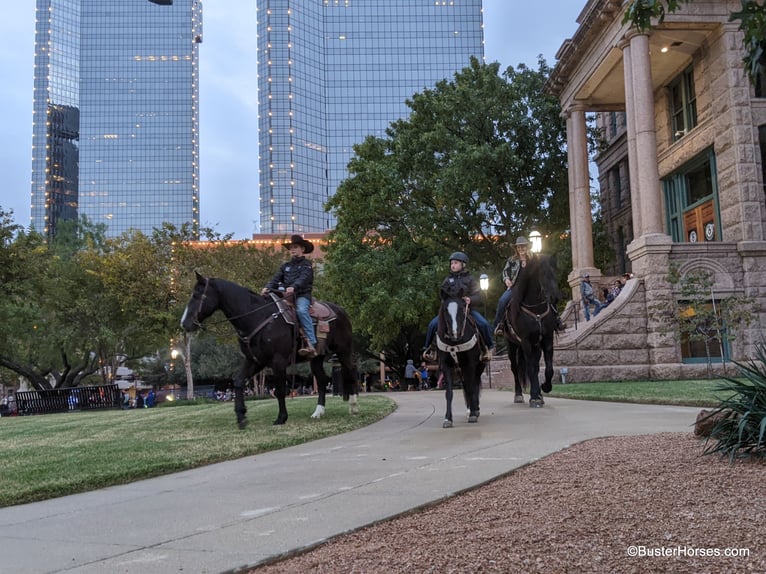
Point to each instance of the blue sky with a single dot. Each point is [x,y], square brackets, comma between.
[515,31]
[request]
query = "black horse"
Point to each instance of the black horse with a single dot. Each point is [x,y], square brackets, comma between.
[530,322]
[268,335]
[457,339]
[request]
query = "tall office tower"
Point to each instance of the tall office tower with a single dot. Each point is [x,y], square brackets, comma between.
[115,132]
[332,72]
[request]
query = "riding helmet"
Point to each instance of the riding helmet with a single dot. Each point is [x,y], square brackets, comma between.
[459,256]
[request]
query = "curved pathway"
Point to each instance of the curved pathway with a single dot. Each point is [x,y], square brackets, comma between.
[226,516]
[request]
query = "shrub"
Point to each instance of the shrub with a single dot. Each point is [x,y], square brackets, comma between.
[740,431]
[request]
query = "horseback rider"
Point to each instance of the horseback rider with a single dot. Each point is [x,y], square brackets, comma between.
[513,266]
[460,283]
[296,277]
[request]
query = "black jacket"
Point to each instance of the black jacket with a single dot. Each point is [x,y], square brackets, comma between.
[296,273]
[461,285]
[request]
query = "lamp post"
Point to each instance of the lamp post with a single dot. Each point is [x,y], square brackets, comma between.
[484,285]
[537,242]
[186,356]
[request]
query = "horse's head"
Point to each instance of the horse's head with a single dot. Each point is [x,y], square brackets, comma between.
[203,303]
[453,319]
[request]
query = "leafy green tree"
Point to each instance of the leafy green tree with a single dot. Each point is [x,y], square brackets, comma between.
[480,158]
[752,21]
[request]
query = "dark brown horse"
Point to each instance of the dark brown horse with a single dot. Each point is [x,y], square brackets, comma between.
[268,336]
[530,323]
[457,339]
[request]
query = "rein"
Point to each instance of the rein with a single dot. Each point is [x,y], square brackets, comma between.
[235,317]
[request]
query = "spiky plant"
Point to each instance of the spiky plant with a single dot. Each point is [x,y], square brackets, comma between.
[741,431]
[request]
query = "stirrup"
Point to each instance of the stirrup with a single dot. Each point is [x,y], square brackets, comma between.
[430,355]
[486,356]
[499,331]
[308,352]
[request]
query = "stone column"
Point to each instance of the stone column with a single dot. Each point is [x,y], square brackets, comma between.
[646,169]
[579,190]
[630,124]
[581,218]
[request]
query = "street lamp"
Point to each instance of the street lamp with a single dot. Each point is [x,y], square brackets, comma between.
[186,356]
[537,241]
[484,285]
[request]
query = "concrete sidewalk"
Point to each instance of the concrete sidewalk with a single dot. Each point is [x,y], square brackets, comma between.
[234,514]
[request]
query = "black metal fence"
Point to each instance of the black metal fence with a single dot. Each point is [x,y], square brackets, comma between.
[63,400]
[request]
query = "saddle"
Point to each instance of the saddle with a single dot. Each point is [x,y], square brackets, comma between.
[318,311]
[321,316]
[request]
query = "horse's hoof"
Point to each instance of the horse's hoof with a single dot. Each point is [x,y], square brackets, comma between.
[536,403]
[473,419]
[447,424]
[242,424]
[278,422]
[518,399]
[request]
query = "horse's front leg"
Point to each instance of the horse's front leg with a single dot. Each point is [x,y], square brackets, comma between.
[447,424]
[317,369]
[517,370]
[548,356]
[280,377]
[246,371]
[533,373]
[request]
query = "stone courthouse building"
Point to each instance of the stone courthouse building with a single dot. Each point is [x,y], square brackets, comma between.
[682,182]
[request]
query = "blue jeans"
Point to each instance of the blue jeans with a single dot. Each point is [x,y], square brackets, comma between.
[586,303]
[481,323]
[502,303]
[302,310]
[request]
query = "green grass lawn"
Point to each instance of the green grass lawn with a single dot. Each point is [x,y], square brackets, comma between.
[54,455]
[696,393]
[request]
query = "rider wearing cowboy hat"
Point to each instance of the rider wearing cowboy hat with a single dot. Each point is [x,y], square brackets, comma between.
[296,277]
[513,267]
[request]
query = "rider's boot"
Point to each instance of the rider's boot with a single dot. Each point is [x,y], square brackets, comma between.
[308,351]
[499,330]
[429,354]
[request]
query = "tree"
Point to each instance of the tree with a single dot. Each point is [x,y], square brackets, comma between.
[480,157]
[752,21]
[701,315]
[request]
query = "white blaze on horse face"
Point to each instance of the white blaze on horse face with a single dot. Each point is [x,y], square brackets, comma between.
[452,310]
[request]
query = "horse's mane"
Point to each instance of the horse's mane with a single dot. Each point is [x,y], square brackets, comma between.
[540,270]
[230,287]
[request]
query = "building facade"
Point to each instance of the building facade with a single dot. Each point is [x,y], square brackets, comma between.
[682,175]
[332,72]
[115,119]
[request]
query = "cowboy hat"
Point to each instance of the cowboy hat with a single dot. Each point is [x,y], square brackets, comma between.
[521,240]
[308,247]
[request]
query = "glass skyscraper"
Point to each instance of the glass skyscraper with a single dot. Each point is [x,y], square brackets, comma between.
[115,134]
[332,72]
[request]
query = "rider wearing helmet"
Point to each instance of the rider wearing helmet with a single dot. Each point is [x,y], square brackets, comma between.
[460,283]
